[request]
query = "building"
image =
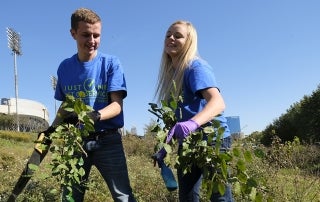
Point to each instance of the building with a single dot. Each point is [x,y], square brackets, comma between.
[33,116]
[234,126]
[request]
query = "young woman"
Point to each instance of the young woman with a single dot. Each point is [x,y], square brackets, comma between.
[202,101]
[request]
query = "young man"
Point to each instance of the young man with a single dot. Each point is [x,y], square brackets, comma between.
[99,80]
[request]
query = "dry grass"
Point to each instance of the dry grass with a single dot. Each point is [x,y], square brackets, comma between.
[285,184]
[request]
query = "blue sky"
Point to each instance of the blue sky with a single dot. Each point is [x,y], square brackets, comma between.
[265,53]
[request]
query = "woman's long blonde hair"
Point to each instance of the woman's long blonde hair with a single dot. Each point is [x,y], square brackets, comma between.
[168,74]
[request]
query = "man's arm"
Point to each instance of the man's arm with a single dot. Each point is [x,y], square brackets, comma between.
[114,108]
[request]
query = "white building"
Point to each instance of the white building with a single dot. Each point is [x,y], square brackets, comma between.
[32,115]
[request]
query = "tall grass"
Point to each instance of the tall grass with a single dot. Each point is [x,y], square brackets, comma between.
[290,172]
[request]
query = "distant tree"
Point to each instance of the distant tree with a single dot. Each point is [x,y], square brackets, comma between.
[6,121]
[301,120]
[255,137]
[127,133]
[148,128]
[134,130]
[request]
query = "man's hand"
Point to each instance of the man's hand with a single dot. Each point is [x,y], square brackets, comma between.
[94,115]
[182,129]
[71,118]
[43,138]
[49,130]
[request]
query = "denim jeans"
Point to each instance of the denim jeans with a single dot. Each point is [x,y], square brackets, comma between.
[190,183]
[109,158]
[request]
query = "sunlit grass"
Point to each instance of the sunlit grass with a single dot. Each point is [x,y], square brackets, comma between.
[294,185]
[284,184]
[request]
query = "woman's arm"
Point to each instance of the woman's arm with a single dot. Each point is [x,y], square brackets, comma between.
[215,105]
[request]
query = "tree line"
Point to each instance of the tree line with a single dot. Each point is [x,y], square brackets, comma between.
[301,120]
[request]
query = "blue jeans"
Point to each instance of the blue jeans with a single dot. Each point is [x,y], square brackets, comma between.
[190,183]
[109,158]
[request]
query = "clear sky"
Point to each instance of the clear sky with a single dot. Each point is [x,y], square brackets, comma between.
[265,53]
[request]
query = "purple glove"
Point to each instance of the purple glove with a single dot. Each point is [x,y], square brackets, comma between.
[182,129]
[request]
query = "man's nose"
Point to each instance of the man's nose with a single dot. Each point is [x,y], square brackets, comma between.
[91,38]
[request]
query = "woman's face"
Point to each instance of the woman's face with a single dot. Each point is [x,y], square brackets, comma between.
[176,37]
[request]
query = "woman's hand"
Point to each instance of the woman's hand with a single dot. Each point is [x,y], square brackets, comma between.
[182,129]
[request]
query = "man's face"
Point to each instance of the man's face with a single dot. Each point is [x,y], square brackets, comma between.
[88,39]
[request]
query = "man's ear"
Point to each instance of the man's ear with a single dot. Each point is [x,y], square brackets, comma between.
[73,33]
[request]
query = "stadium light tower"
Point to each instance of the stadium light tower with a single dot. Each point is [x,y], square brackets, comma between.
[54,84]
[14,43]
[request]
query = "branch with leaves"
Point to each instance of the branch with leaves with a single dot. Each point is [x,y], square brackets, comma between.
[203,149]
[67,146]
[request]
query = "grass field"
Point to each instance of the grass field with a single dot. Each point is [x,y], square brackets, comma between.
[284,184]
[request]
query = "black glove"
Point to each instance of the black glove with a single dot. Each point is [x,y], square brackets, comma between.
[71,118]
[50,130]
[94,115]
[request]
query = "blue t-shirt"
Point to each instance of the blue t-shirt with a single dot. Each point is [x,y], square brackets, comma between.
[92,82]
[198,76]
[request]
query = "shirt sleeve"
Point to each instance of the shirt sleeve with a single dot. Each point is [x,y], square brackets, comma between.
[200,76]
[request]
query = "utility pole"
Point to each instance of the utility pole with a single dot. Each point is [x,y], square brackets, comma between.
[14,44]
[54,84]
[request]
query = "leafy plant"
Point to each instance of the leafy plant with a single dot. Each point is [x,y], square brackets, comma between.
[203,149]
[67,148]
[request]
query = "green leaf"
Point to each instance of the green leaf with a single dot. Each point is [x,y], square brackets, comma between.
[80,162]
[248,156]
[81,172]
[167,148]
[215,123]
[69,109]
[221,188]
[173,104]
[252,182]
[76,178]
[208,130]
[237,188]
[53,191]
[259,153]
[242,177]
[241,165]
[33,167]
[70,151]
[62,167]
[259,197]
[224,169]
[253,194]
[225,156]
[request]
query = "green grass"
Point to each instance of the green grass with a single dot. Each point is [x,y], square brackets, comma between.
[284,184]
[15,151]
